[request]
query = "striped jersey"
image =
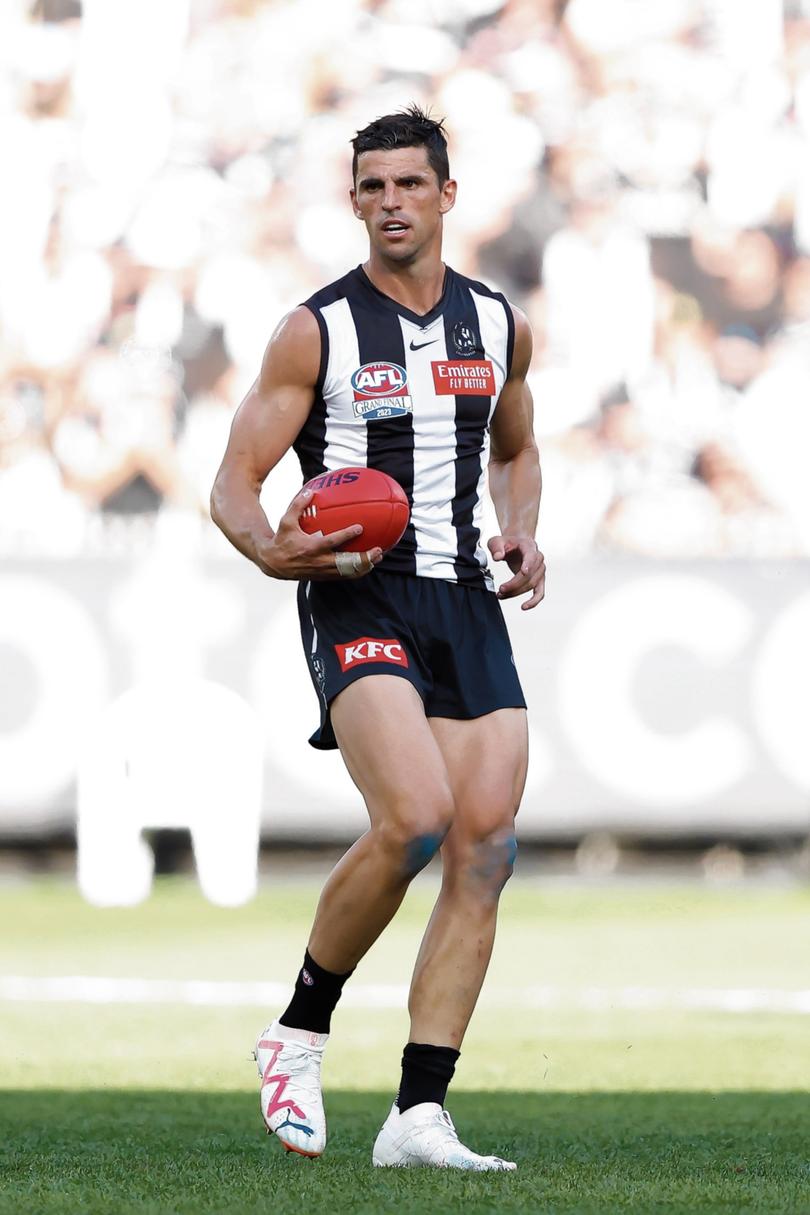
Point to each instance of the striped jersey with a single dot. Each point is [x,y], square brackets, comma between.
[413,396]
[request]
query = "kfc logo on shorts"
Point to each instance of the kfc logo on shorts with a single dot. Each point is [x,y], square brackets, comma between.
[371,649]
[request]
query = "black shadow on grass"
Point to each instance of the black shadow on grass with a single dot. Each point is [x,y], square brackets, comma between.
[155,1153]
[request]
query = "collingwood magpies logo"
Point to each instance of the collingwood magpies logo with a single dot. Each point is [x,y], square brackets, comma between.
[319,667]
[465,341]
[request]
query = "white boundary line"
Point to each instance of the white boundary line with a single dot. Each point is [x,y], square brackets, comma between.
[205,993]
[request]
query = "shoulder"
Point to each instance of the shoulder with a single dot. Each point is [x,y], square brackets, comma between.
[298,350]
[296,331]
[492,293]
[472,284]
[524,342]
[519,334]
[341,288]
[293,354]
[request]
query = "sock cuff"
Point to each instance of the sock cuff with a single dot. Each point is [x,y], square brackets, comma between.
[426,1051]
[426,1072]
[318,972]
[314,998]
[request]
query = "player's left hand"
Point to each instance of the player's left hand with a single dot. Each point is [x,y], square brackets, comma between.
[527,564]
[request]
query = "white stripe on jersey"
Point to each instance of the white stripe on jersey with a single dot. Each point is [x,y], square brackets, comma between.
[346,445]
[482,553]
[495,339]
[434,481]
[494,335]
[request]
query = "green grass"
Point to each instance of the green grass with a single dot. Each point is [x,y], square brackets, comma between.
[119,1151]
[152,1109]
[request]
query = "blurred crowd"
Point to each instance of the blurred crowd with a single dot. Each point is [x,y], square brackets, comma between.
[636,176]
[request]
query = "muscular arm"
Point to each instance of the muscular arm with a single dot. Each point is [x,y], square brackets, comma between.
[264,428]
[514,477]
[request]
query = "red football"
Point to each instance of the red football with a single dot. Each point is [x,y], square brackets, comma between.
[357,495]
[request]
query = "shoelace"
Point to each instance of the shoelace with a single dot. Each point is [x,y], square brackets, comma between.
[447,1123]
[298,1064]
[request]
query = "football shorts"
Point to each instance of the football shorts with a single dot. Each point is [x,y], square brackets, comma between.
[449,641]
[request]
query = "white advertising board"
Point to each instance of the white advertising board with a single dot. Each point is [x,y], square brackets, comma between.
[665,698]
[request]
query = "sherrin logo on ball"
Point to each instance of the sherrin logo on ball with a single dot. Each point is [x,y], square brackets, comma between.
[381,391]
[344,476]
[342,497]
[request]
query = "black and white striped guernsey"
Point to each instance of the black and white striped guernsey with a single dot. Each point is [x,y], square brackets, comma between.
[413,396]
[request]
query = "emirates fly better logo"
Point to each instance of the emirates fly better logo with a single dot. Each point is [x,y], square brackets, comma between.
[381,391]
[463,378]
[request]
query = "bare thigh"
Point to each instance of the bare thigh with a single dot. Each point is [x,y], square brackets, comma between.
[392,754]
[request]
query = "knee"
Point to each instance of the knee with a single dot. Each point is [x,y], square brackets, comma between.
[416,835]
[420,850]
[486,863]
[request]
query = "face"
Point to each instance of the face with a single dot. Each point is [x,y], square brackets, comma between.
[397,195]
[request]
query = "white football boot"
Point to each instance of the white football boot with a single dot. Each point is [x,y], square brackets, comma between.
[289,1062]
[424,1137]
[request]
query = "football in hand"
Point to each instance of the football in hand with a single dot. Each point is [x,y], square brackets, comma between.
[357,495]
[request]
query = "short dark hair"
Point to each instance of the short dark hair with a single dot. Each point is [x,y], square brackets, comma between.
[409,128]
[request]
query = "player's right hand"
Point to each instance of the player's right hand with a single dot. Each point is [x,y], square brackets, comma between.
[292,554]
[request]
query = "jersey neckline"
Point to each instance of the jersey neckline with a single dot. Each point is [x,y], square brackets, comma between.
[422,320]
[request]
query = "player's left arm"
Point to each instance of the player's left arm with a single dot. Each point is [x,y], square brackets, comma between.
[514,477]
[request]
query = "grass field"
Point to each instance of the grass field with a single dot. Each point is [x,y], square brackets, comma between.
[582,1063]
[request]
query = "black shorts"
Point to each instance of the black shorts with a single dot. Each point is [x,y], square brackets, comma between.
[449,641]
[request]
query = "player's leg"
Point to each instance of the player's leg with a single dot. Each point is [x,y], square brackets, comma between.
[395,761]
[486,760]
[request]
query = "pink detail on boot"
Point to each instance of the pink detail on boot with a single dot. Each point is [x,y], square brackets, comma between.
[281,1081]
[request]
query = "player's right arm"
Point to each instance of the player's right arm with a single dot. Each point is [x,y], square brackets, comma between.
[264,428]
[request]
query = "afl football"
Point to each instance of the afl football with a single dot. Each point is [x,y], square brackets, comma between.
[357,495]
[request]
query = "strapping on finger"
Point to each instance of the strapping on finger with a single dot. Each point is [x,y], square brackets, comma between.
[351,565]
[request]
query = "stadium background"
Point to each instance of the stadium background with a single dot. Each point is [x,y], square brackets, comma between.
[636,179]
[636,176]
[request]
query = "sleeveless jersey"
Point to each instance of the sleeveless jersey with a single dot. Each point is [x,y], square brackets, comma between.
[413,396]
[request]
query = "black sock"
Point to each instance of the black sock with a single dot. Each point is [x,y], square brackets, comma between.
[316,994]
[426,1073]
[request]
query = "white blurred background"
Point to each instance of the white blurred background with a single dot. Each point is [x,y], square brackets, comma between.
[635,175]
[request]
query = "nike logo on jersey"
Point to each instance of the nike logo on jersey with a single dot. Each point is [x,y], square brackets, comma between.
[423,344]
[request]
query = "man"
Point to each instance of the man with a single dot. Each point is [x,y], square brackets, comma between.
[433,729]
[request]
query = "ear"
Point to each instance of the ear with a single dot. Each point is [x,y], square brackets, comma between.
[353,196]
[448,196]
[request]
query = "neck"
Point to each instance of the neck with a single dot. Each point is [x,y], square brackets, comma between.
[417,286]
